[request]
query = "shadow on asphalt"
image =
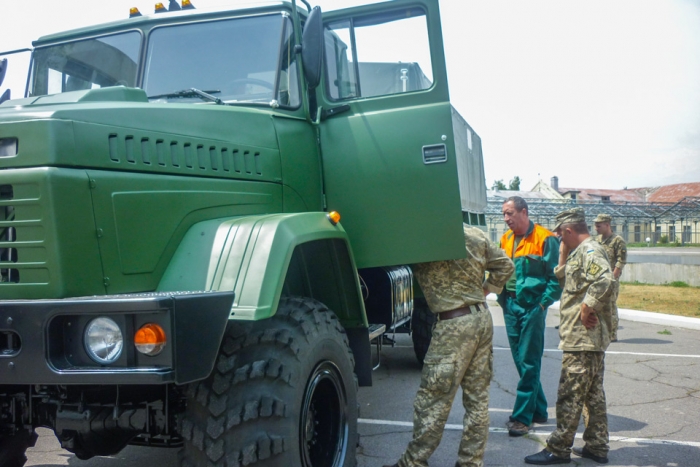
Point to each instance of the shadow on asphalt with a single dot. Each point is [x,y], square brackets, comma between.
[651,455]
[644,341]
[616,423]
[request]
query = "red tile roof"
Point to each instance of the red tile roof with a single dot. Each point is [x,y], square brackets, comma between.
[674,193]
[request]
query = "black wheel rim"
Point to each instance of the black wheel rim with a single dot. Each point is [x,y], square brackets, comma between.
[323,432]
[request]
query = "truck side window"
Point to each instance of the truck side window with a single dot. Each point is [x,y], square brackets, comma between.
[382,54]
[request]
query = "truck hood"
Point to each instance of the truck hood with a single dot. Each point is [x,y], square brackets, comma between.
[100,127]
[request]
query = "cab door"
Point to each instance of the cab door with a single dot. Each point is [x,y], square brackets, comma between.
[386,133]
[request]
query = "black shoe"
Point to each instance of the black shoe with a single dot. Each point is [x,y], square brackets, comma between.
[545,457]
[584,452]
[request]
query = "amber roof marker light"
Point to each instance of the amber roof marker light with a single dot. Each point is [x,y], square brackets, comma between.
[334,217]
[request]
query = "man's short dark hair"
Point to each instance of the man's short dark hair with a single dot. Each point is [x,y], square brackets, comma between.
[578,227]
[518,203]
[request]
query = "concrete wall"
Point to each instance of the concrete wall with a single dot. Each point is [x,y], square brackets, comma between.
[663,265]
[655,273]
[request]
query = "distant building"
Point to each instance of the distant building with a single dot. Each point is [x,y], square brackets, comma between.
[663,214]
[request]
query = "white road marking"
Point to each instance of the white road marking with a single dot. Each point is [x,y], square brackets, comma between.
[622,353]
[619,439]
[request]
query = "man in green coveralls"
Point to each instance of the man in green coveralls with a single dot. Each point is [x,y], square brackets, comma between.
[584,331]
[616,248]
[460,352]
[525,299]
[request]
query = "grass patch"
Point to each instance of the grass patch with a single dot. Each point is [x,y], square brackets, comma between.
[665,332]
[682,300]
[663,245]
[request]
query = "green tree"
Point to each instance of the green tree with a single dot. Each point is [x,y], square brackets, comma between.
[514,184]
[499,185]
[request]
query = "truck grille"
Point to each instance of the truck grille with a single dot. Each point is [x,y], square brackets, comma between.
[8,235]
[22,242]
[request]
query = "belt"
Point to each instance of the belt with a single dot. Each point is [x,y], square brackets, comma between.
[456,313]
[509,293]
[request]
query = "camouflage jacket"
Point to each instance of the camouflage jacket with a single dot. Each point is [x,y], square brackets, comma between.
[616,248]
[586,278]
[456,283]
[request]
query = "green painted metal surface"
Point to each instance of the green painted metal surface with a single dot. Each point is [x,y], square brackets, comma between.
[111,193]
[396,209]
[49,212]
[251,255]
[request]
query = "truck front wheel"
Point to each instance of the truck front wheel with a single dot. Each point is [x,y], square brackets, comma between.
[282,393]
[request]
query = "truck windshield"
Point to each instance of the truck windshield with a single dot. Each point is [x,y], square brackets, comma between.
[235,60]
[240,60]
[86,64]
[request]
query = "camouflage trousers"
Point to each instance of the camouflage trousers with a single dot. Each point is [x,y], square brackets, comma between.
[615,317]
[581,385]
[460,354]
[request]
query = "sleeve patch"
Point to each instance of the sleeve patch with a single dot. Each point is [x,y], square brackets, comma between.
[594,269]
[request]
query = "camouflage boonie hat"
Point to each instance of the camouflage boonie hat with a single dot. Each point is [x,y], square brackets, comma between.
[603,218]
[570,216]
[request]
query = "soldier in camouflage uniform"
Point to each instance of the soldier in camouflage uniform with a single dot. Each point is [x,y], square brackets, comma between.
[460,352]
[616,248]
[585,313]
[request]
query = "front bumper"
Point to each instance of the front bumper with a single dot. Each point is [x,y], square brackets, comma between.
[42,340]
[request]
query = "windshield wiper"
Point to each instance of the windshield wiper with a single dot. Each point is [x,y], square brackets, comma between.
[192,92]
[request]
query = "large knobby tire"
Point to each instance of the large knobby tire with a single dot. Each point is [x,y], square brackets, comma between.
[282,394]
[422,322]
[13,448]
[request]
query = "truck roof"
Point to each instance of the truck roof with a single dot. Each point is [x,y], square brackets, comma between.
[164,17]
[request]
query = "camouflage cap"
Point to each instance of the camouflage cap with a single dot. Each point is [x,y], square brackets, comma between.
[570,216]
[603,218]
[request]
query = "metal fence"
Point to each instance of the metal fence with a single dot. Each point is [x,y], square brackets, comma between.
[652,223]
[630,234]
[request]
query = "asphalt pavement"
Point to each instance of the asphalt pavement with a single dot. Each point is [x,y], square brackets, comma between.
[652,383]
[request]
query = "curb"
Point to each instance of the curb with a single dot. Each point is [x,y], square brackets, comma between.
[649,317]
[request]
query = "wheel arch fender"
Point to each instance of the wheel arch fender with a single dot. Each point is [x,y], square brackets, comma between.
[262,257]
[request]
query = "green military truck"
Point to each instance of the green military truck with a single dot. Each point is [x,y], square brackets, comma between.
[173,271]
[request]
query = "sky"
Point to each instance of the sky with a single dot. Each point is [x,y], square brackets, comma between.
[600,93]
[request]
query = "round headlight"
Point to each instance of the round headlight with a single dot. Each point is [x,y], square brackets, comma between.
[103,340]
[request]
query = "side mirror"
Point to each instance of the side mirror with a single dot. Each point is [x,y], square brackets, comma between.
[312,47]
[5,96]
[3,69]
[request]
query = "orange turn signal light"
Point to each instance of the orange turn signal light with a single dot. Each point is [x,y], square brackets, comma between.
[334,217]
[134,12]
[160,8]
[150,339]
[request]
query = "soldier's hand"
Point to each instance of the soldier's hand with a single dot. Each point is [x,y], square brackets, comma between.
[563,253]
[588,316]
[617,272]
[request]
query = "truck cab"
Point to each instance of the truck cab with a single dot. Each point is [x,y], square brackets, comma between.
[195,207]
